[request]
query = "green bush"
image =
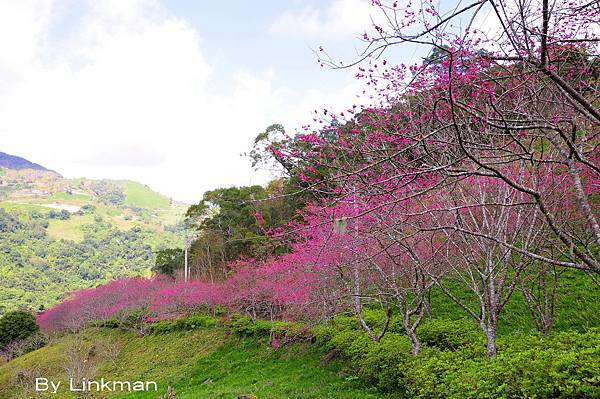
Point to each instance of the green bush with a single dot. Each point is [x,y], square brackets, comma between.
[353,344]
[283,332]
[184,324]
[220,310]
[245,326]
[565,365]
[278,332]
[15,326]
[375,319]
[384,362]
[110,323]
[450,334]
[133,319]
[453,363]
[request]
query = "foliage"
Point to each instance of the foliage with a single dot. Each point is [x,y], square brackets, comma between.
[133,318]
[285,333]
[16,326]
[182,324]
[239,222]
[452,365]
[168,261]
[38,268]
[108,192]
[8,223]
[245,326]
[450,335]
[60,215]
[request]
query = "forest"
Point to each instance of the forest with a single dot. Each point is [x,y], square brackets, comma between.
[36,267]
[443,240]
[60,235]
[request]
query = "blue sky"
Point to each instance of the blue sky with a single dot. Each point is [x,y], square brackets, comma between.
[170,92]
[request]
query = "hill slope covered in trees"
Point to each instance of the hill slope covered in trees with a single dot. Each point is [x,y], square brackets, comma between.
[60,235]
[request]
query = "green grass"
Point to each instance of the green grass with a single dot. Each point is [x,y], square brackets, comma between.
[172,215]
[245,367]
[205,363]
[141,196]
[75,182]
[577,306]
[71,198]
[70,229]
[23,207]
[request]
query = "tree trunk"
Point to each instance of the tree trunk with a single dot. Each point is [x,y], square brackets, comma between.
[414,341]
[490,335]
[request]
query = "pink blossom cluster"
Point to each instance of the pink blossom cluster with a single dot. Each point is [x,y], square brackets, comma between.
[101,303]
[276,288]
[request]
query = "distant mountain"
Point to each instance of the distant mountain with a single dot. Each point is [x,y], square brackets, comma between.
[14,162]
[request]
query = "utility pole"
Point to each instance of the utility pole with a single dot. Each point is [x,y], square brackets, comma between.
[187,242]
[185,267]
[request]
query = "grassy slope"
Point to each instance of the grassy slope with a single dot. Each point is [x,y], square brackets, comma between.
[71,229]
[139,195]
[199,364]
[69,198]
[577,307]
[17,206]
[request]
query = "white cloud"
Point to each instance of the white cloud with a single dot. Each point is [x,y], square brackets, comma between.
[22,35]
[342,19]
[126,96]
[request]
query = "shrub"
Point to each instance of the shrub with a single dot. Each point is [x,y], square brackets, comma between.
[352,344]
[449,334]
[133,319]
[110,323]
[279,333]
[384,362]
[185,324]
[23,346]
[15,326]
[560,366]
[283,332]
[453,363]
[220,310]
[245,326]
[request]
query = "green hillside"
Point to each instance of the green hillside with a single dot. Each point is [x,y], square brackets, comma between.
[205,363]
[60,235]
[142,196]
